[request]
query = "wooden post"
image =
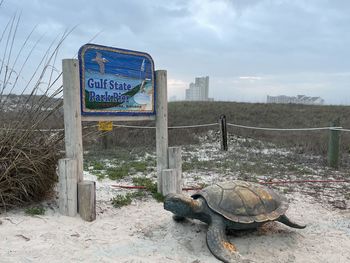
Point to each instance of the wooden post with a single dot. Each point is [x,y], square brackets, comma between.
[169,181]
[87,200]
[67,181]
[161,124]
[333,145]
[223,130]
[104,139]
[175,162]
[72,116]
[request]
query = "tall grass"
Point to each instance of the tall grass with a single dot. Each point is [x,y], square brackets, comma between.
[28,156]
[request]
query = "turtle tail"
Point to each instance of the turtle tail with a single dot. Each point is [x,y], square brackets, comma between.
[285,220]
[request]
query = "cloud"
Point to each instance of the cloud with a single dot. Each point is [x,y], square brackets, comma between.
[250,78]
[225,39]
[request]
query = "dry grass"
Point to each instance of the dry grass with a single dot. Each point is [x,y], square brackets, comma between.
[28,156]
[27,166]
[250,114]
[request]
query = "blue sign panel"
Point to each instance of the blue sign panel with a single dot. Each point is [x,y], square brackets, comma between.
[116,82]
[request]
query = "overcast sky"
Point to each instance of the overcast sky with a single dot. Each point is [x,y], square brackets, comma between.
[248,48]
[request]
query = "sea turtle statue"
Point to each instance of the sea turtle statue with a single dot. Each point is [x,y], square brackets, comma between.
[230,206]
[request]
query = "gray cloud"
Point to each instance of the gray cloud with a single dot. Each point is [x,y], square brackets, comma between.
[290,46]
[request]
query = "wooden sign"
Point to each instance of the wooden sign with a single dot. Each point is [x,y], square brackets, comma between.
[116,82]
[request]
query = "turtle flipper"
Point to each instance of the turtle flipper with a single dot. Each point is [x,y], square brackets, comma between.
[219,245]
[285,220]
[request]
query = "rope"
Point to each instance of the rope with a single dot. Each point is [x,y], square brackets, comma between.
[336,129]
[306,181]
[280,129]
[133,127]
[191,188]
[44,130]
[37,130]
[171,127]
[207,125]
[52,130]
[193,126]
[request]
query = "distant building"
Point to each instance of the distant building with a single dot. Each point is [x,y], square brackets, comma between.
[299,99]
[199,90]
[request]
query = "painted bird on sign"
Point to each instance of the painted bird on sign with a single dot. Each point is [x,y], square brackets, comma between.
[100,61]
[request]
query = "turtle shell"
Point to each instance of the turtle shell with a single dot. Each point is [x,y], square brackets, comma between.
[244,202]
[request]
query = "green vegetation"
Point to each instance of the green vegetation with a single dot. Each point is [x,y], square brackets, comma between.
[98,165]
[195,164]
[119,168]
[100,176]
[259,168]
[35,210]
[138,166]
[121,200]
[146,182]
[150,187]
[119,172]
[115,173]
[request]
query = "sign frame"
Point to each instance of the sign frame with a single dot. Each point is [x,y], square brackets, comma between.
[114,115]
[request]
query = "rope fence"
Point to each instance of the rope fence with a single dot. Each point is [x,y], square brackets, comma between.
[194,188]
[171,127]
[235,125]
[285,129]
[205,125]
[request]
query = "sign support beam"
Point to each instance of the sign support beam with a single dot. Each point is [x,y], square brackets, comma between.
[72,115]
[161,125]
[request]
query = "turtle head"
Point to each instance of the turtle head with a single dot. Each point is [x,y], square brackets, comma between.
[181,205]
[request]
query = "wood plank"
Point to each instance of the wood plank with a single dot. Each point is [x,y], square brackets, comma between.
[169,181]
[161,125]
[67,185]
[87,200]
[72,114]
[175,162]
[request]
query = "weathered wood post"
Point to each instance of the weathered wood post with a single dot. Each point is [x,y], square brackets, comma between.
[169,181]
[334,145]
[175,162]
[223,130]
[104,139]
[105,127]
[87,200]
[67,183]
[161,124]
[72,115]
[70,169]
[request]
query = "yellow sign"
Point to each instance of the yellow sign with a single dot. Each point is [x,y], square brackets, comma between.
[105,125]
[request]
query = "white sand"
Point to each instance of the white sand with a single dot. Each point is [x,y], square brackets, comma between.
[144,232]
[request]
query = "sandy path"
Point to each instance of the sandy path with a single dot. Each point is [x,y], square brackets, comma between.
[144,232]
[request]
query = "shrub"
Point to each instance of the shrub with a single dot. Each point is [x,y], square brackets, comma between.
[28,155]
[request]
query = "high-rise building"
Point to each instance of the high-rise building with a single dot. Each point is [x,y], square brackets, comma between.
[299,99]
[199,90]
